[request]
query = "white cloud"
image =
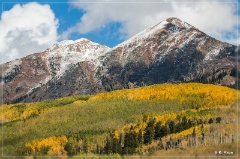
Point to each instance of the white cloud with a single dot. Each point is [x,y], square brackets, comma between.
[26,29]
[214,18]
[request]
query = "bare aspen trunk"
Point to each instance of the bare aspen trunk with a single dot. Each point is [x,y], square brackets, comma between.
[216,138]
[188,141]
[204,140]
[221,138]
[196,141]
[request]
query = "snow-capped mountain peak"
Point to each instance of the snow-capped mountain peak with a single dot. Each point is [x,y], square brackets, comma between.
[179,23]
[71,52]
[80,45]
[171,24]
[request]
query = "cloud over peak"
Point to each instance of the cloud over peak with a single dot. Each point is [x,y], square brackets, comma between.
[215,18]
[26,29]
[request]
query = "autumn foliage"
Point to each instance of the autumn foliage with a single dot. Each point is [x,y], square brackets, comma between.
[51,146]
[193,94]
[131,121]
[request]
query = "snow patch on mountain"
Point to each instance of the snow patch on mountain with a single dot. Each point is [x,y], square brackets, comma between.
[143,34]
[71,52]
[10,65]
[210,55]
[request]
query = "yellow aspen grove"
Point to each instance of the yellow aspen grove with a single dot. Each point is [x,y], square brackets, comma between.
[198,131]
[187,93]
[55,145]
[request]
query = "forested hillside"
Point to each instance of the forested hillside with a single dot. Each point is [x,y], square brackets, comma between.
[144,121]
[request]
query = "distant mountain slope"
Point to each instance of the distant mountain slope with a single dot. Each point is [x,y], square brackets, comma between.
[22,78]
[170,51]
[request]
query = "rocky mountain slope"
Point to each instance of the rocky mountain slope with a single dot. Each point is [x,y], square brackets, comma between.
[170,51]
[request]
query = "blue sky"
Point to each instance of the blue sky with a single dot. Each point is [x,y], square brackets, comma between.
[33,26]
[68,16]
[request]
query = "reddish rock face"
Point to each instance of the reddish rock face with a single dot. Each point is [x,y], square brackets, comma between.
[22,75]
[170,51]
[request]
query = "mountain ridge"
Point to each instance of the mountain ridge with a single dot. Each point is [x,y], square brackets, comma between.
[170,51]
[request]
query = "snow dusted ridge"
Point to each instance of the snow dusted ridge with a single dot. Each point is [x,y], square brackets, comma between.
[69,52]
[143,34]
[179,33]
[147,33]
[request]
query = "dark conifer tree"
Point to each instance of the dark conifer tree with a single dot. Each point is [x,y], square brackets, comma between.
[194,132]
[210,121]
[149,132]
[179,127]
[185,123]
[218,119]
[108,146]
[116,146]
[158,128]
[172,127]
[126,143]
[190,123]
[71,146]
[131,142]
[166,129]
[140,137]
